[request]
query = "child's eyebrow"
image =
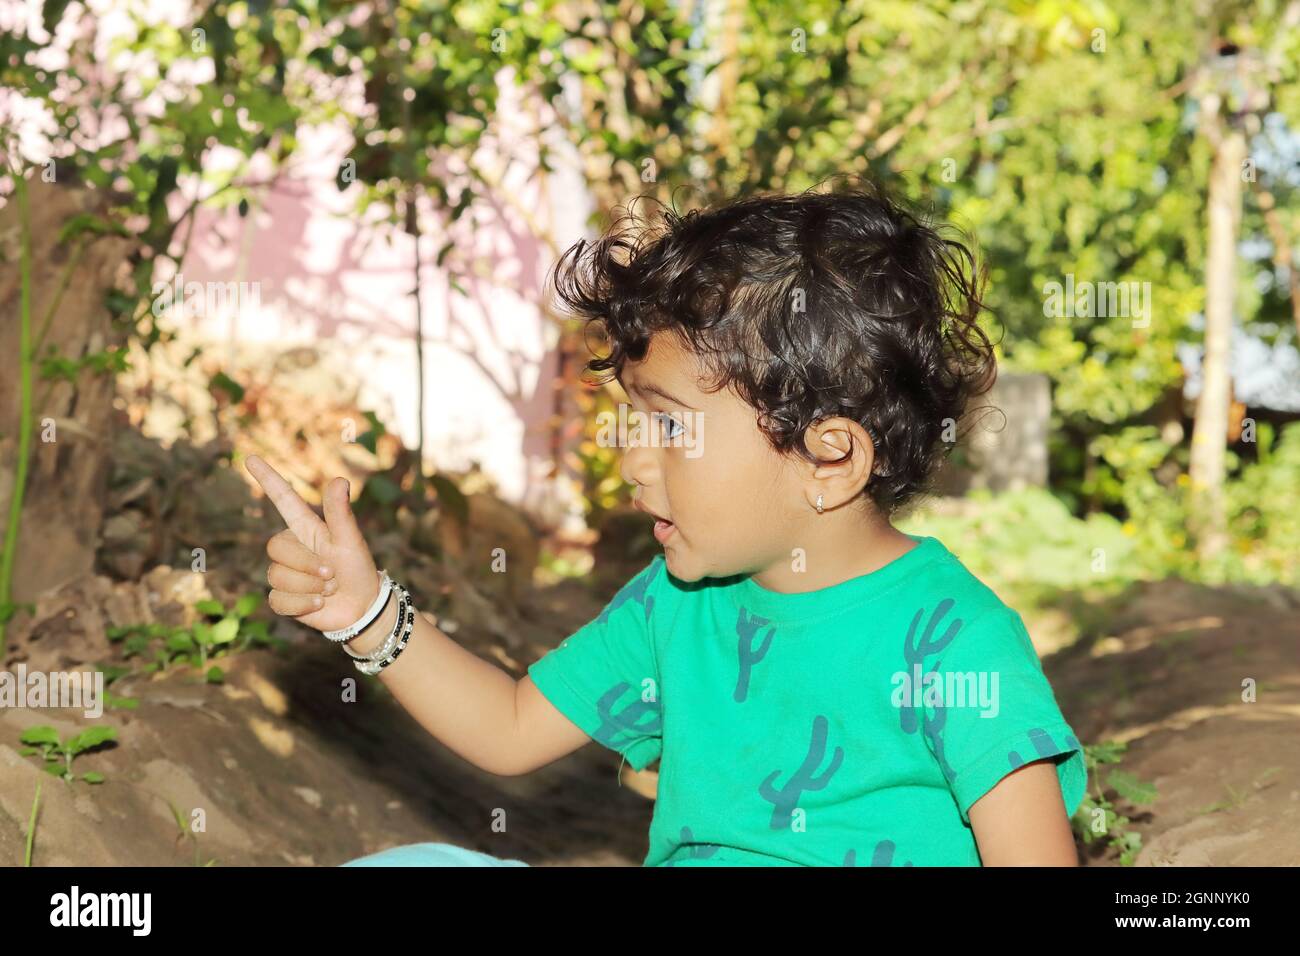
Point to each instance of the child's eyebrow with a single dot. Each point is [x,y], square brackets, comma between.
[656,390]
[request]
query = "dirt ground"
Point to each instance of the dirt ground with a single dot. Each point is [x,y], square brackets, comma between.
[287,773]
[1166,677]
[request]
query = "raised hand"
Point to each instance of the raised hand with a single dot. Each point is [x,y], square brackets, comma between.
[321,572]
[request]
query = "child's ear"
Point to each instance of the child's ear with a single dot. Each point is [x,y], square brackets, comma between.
[833,439]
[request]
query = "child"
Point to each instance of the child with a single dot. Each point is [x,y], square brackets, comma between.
[818,687]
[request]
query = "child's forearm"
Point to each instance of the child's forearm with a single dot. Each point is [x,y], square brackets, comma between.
[465,702]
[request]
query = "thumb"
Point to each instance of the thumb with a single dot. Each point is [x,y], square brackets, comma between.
[340,520]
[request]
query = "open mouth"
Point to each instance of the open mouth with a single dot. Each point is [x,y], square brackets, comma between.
[663,527]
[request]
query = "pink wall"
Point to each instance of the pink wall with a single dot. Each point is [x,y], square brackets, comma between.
[325,277]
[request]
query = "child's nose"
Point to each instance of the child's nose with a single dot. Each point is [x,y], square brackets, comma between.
[638,465]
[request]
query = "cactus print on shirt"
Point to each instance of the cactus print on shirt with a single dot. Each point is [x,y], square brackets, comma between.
[853,725]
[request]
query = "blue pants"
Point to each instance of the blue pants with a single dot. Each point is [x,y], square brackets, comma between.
[431,854]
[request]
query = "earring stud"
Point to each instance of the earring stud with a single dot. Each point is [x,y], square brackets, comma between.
[819,504]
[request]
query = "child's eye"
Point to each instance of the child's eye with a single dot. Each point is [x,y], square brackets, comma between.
[668,420]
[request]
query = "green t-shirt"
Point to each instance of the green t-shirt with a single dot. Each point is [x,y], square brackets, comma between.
[849,726]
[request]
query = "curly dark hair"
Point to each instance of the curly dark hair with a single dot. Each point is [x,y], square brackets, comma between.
[821,304]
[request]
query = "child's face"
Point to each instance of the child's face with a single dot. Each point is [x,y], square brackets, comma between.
[733,501]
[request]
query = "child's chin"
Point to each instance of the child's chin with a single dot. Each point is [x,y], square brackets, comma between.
[676,568]
[687,572]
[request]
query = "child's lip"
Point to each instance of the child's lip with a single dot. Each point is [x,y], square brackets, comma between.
[640,507]
[663,529]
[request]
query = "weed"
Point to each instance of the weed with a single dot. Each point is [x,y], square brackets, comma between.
[59,755]
[220,631]
[31,827]
[187,832]
[111,673]
[1114,827]
[1236,798]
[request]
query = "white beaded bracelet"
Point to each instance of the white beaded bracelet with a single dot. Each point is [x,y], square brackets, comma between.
[389,653]
[386,645]
[376,608]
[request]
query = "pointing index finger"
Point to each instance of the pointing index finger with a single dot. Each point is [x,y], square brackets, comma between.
[305,524]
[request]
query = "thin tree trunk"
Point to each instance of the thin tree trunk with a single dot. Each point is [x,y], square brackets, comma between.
[1209,436]
[1282,257]
[732,19]
[413,229]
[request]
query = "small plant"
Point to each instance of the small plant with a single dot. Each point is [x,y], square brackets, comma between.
[59,755]
[220,631]
[1237,798]
[1115,827]
[187,832]
[31,827]
[111,673]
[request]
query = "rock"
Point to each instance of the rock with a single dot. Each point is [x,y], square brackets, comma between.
[498,550]
[70,458]
[173,592]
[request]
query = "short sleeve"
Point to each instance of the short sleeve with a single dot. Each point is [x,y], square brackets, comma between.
[605,676]
[998,712]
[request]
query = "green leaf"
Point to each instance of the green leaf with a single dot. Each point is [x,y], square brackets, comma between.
[247,604]
[112,672]
[90,223]
[93,777]
[40,735]
[371,437]
[176,815]
[1109,751]
[1130,787]
[121,703]
[182,642]
[91,737]
[225,631]
[9,608]
[228,385]
[53,13]
[209,607]
[137,644]
[56,769]
[256,632]
[215,675]
[159,231]
[382,489]
[451,497]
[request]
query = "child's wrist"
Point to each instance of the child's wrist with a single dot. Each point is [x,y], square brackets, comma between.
[374,634]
